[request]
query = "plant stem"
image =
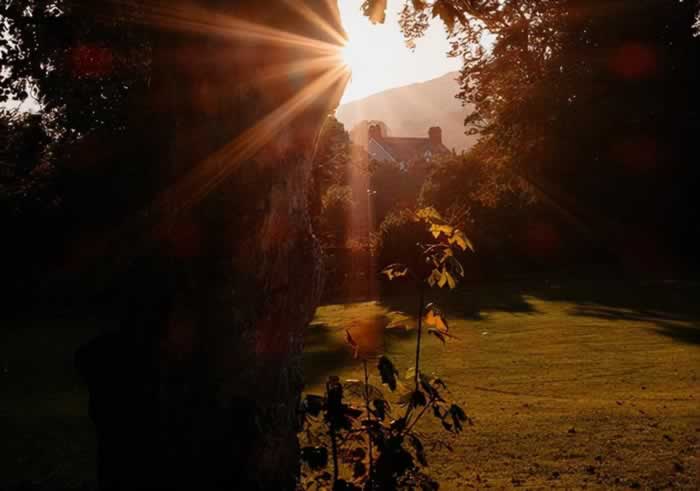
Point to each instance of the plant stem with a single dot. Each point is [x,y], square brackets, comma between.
[413,423]
[334,444]
[421,301]
[369,418]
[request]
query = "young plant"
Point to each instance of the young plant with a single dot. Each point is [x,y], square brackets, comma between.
[372,448]
[436,265]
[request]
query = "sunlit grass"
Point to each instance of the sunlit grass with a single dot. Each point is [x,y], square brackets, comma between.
[570,384]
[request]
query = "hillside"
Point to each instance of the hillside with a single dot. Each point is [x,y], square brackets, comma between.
[411,110]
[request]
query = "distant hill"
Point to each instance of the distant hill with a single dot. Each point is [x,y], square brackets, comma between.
[411,110]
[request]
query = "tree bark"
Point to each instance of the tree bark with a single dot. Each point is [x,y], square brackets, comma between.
[209,399]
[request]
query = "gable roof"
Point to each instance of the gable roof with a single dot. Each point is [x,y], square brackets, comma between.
[403,149]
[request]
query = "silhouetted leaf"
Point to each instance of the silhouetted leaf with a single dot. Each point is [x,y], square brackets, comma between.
[398,425]
[343,485]
[315,457]
[439,383]
[359,469]
[387,372]
[418,447]
[380,408]
[417,399]
[455,266]
[352,412]
[425,382]
[458,417]
[446,10]
[312,404]
[437,334]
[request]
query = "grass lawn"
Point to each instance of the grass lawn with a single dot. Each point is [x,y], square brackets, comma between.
[572,385]
[616,362]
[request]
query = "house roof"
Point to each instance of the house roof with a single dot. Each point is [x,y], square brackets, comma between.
[404,149]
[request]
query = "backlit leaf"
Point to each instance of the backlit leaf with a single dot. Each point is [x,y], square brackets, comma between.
[430,215]
[435,317]
[375,10]
[395,271]
[437,229]
[434,277]
[443,279]
[458,238]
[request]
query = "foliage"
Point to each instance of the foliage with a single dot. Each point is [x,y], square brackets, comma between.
[336,209]
[396,239]
[590,105]
[421,244]
[400,453]
[373,445]
[483,198]
[393,188]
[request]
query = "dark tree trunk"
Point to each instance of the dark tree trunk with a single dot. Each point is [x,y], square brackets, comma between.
[200,390]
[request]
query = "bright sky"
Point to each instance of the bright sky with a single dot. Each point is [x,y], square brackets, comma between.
[379,57]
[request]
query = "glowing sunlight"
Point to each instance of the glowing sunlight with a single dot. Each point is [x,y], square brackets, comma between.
[379,58]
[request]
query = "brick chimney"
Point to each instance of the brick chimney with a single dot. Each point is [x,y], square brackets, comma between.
[375,131]
[435,134]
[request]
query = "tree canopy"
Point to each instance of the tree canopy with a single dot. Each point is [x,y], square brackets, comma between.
[593,104]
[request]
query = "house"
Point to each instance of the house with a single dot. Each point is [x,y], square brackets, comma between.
[405,151]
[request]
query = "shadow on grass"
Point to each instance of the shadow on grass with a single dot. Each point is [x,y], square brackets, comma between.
[665,300]
[468,303]
[670,305]
[678,330]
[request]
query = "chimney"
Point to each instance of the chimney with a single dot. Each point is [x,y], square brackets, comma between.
[435,134]
[375,131]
